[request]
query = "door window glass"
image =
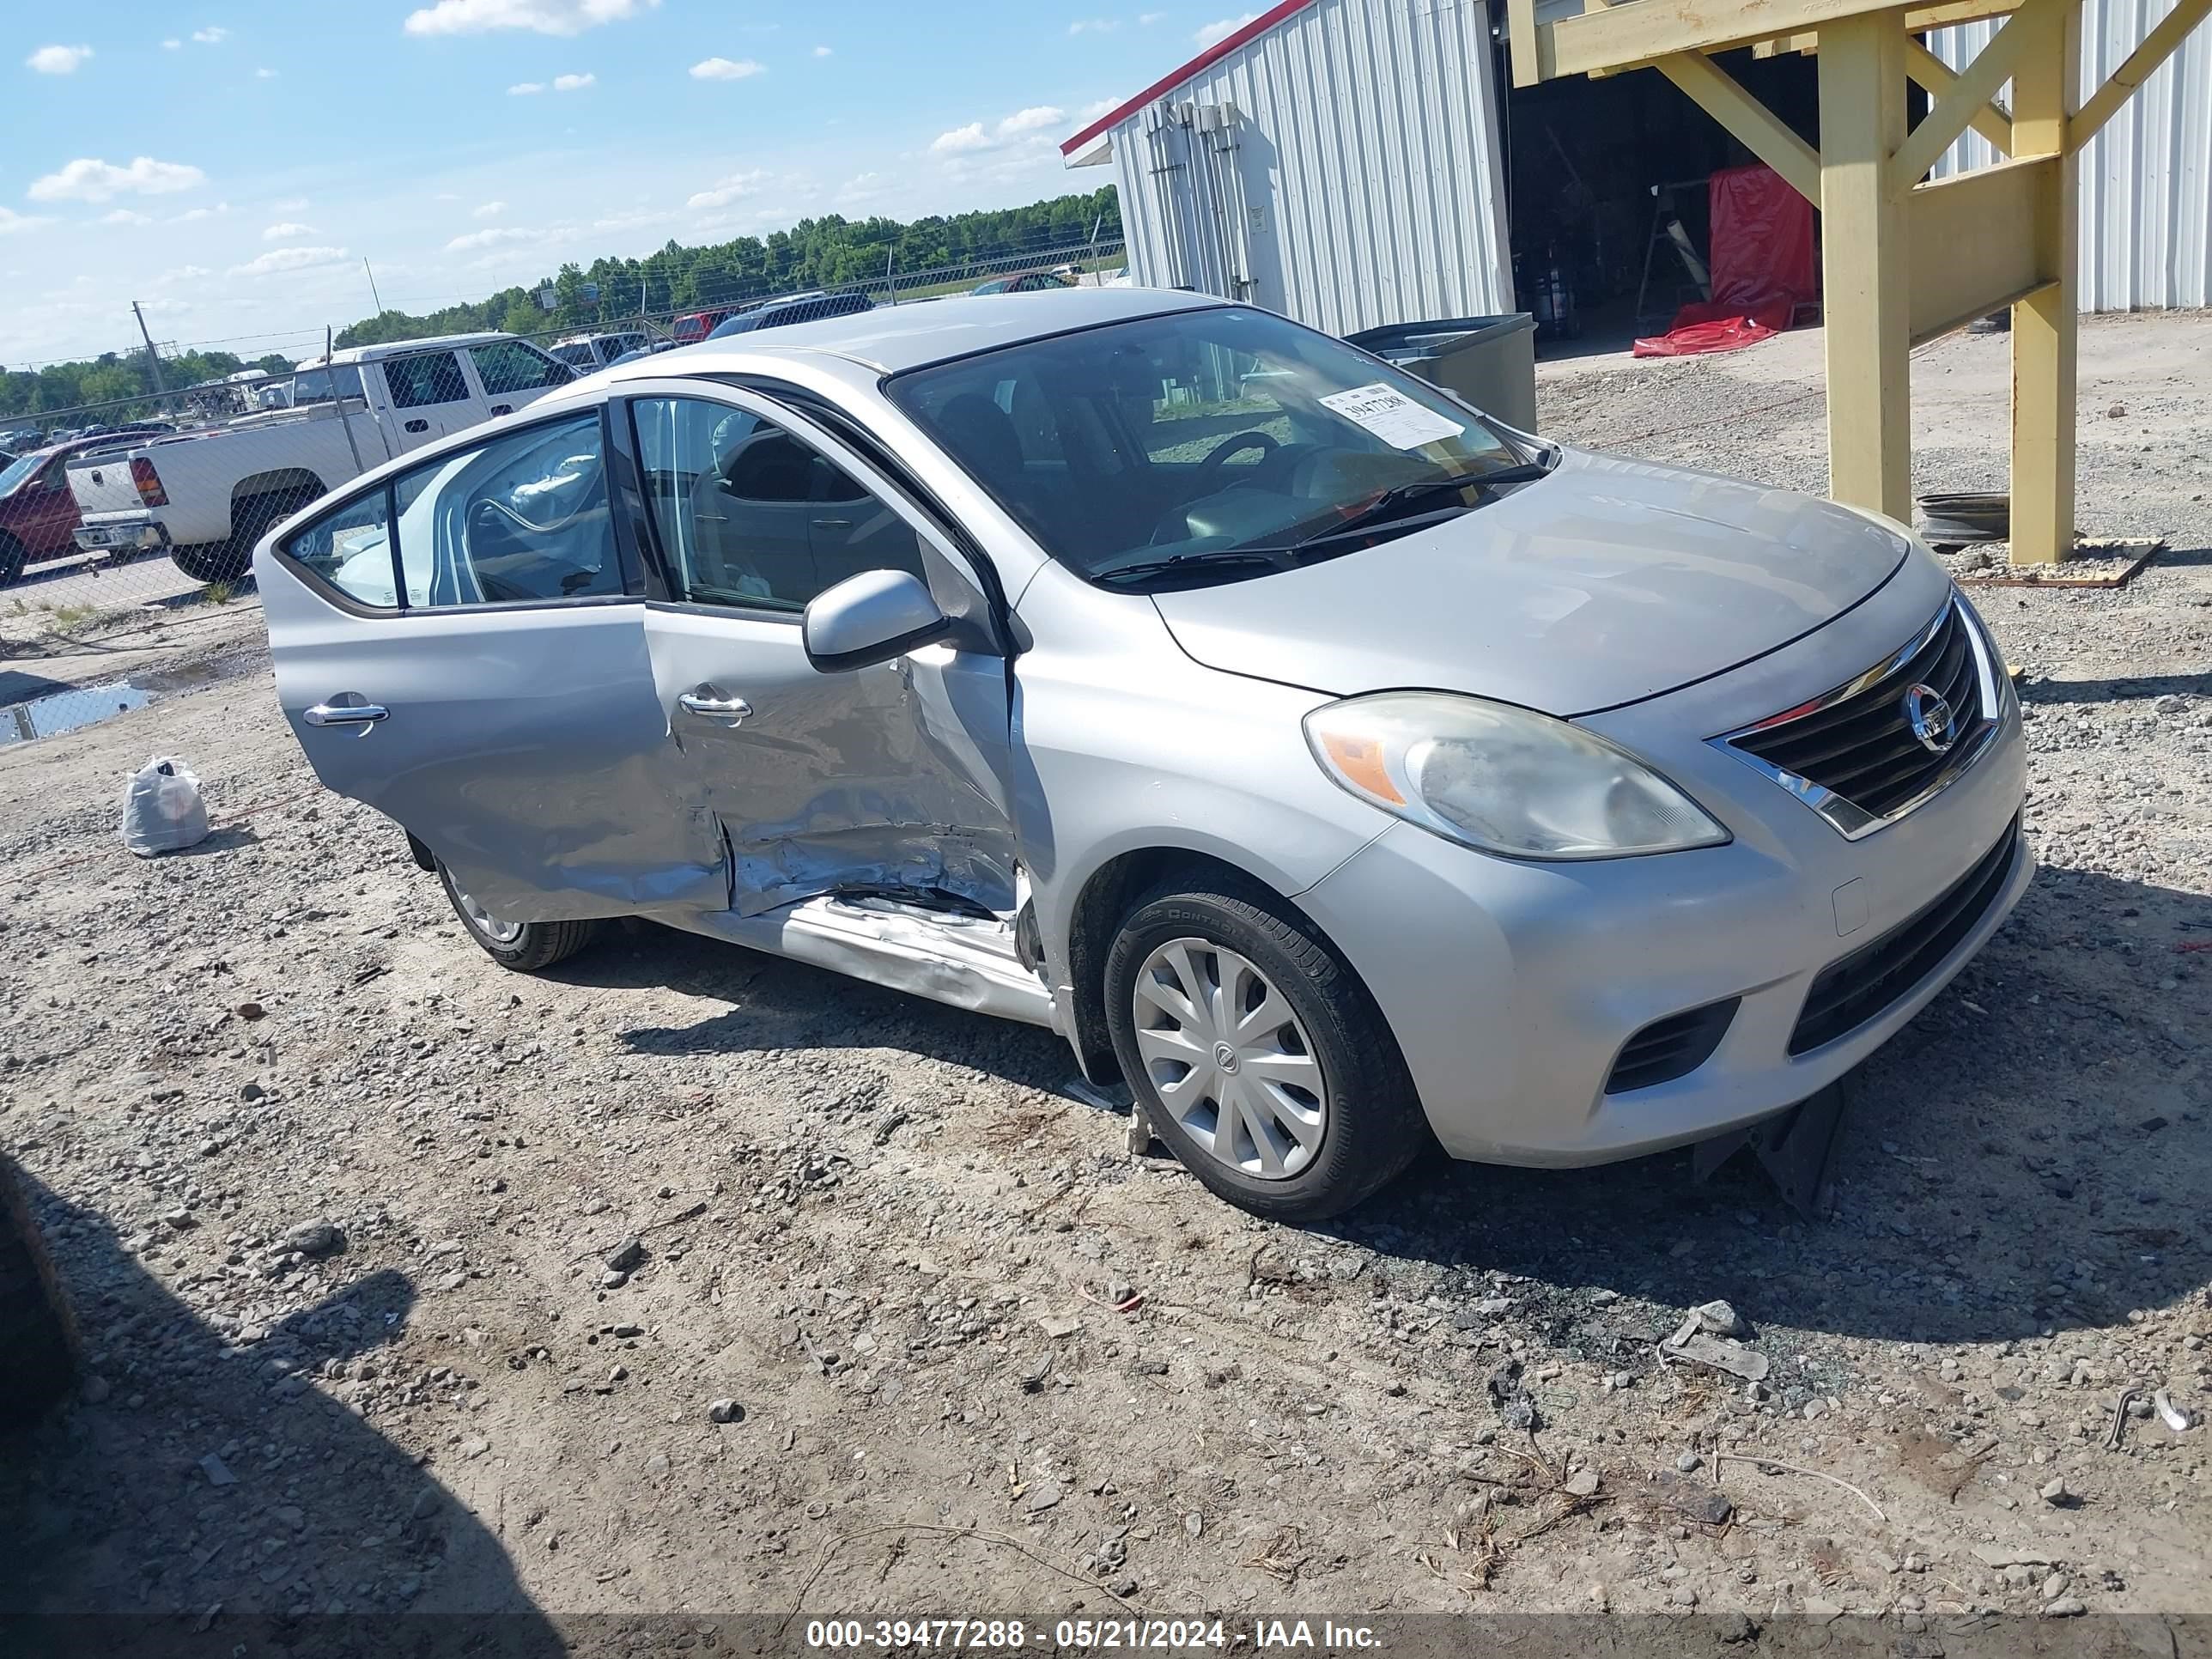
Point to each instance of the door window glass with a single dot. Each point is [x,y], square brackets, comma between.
[506,365]
[749,514]
[351,550]
[520,520]
[431,377]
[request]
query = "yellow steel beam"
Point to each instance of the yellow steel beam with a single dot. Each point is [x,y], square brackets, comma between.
[1976,238]
[2047,324]
[1617,37]
[2137,68]
[1863,264]
[1951,114]
[1992,120]
[1762,132]
[1530,47]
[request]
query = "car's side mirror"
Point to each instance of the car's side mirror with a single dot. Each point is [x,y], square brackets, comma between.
[869,618]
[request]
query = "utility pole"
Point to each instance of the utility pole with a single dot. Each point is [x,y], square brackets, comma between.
[153,357]
[372,286]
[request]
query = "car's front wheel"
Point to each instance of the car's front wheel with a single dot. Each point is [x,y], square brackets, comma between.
[524,946]
[1262,1060]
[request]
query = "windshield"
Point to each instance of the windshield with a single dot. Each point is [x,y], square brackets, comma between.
[16,470]
[1194,433]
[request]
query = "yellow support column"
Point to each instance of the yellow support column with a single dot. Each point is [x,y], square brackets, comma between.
[2046,325]
[1863,274]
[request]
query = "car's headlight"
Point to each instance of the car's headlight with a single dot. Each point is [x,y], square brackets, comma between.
[1502,778]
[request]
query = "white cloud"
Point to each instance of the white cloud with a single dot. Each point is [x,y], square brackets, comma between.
[574,82]
[632,219]
[540,16]
[1222,29]
[173,45]
[12,221]
[192,214]
[286,231]
[1028,120]
[821,52]
[525,88]
[488,210]
[1094,25]
[125,216]
[184,273]
[722,69]
[57,60]
[496,236]
[288,259]
[264,74]
[861,187]
[1092,111]
[210,36]
[289,205]
[86,179]
[1146,19]
[725,191]
[971,136]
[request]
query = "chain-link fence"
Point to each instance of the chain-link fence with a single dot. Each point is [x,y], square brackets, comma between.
[131,519]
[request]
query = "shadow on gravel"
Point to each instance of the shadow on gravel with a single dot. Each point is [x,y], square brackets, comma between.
[199,1496]
[2030,1154]
[2132,688]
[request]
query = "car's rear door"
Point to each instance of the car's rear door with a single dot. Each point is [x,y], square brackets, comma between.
[894,778]
[463,648]
[431,398]
[513,373]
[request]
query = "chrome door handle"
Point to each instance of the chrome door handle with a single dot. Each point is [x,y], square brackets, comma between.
[731,709]
[347,713]
[833,524]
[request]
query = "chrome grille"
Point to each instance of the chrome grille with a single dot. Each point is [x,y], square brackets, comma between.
[1856,756]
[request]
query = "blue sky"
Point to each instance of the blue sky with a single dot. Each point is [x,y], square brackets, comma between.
[230,164]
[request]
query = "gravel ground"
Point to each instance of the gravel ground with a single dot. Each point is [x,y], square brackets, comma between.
[347,1214]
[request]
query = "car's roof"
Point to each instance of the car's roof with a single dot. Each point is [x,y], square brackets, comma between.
[892,338]
[366,354]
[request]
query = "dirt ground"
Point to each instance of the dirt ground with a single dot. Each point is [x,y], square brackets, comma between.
[336,1199]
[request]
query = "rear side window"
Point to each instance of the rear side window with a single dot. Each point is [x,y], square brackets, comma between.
[506,365]
[352,551]
[430,377]
[518,519]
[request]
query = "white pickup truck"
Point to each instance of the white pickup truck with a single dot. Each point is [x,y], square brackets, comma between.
[205,497]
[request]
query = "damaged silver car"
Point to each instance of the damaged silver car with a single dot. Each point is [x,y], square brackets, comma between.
[1342,769]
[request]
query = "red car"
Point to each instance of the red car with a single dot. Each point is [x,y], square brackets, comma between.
[694,326]
[38,514]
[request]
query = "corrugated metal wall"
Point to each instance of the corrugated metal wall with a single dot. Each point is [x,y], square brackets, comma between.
[2146,179]
[1359,185]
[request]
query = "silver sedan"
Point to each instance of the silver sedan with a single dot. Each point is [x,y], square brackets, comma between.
[1340,768]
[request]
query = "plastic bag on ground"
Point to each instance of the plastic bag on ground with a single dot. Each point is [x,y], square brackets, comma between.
[163,808]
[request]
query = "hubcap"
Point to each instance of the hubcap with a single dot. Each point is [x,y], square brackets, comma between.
[1228,1060]
[498,931]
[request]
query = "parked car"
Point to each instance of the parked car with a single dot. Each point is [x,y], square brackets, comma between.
[690,327]
[1027,282]
[1341,768]
[204,497]
[38,514]
[653,349]
[792,309]
[586,352]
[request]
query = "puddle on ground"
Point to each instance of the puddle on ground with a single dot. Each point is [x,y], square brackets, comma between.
[70,709]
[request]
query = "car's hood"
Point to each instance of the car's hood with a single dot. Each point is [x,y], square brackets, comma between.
[1609,581]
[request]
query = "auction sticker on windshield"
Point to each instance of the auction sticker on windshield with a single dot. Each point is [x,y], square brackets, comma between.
[1391,415]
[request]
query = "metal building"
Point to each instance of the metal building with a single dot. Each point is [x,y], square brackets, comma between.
[1336,161]
[2146,177]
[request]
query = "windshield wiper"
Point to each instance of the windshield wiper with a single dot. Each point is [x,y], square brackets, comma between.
[1391,503]
[1208,558]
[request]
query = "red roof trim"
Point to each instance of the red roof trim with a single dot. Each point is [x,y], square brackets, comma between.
[1205,60]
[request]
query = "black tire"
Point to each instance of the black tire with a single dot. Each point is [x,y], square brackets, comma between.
[227,561]
[34,1334]
[12,557]
[537,947]
[1375,1126]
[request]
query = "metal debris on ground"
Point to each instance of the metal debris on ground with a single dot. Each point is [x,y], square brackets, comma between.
[2173,1416]
[1707,1337]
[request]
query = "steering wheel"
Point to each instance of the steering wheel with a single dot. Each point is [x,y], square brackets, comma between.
[1204,474]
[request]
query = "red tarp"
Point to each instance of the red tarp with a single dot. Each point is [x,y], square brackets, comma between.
[1761,264]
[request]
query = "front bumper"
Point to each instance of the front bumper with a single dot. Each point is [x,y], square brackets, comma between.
[126,534]
[1514,988]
